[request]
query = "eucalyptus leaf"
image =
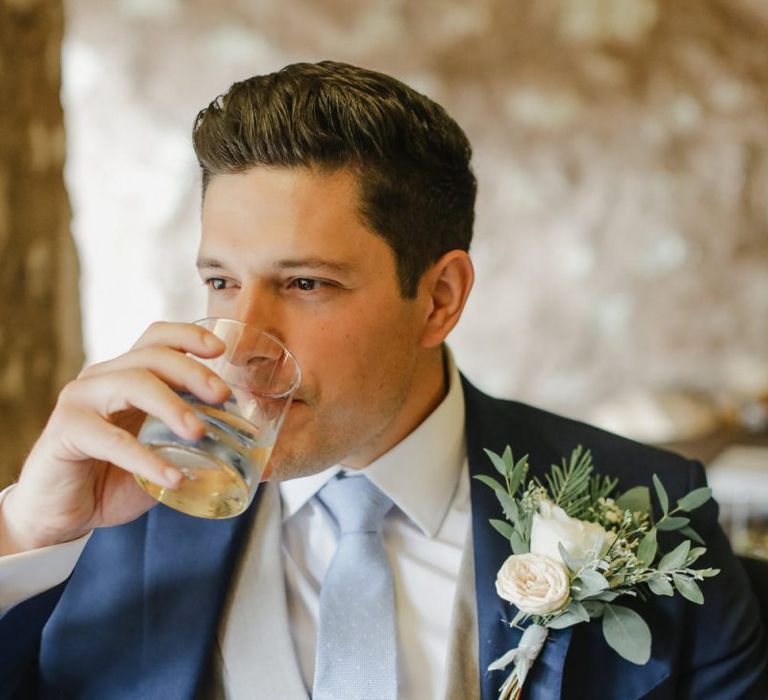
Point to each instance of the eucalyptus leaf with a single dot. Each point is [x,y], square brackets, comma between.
[694,554]
[565,619]
[593,580]
[579,610]
[673,523]
[646,550]
[508,505]
[594,608]
[660,586]
[627,634]
[661,494]
[518,474]
[490,481]
[688,588]
[604,596]
[579,591]
[518,543]
[695,499]
[676,558]
[691,534]
[570,562]
[503,527]
[497,461]
[509,463]
[636,499]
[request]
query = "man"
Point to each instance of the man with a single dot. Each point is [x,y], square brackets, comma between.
[337,215]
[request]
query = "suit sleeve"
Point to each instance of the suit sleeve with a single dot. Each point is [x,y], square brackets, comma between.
[30,586]
[725,638]
[20,631]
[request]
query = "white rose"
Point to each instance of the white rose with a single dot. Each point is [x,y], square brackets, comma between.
[552,526]
[537,585]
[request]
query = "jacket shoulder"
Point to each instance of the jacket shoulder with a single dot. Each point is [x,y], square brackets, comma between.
[552,437]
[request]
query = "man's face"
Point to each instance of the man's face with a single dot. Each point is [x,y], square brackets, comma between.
[285,250]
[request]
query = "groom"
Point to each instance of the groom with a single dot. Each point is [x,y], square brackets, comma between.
[338,207]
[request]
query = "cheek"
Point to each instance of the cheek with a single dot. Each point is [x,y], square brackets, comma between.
[365,347]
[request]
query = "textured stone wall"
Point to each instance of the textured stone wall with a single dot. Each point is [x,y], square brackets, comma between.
[40,336]
[621,148]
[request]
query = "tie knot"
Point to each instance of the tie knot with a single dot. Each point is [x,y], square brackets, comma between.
[356,503]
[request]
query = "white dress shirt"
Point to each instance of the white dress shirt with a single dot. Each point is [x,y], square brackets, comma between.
[426,477]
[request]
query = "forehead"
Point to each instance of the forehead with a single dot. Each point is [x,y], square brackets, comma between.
[270,193]
[284,211]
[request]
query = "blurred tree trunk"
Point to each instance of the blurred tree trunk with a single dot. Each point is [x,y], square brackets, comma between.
[40,333]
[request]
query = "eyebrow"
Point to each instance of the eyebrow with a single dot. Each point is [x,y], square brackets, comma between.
[287,264]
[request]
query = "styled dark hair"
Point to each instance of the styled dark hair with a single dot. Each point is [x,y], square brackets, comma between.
[411,160]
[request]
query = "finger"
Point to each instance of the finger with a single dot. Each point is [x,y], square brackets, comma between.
[120,390]
[179,371]
[186,337]
[92,437]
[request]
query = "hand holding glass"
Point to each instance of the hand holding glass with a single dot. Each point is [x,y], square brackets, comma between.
[223,468]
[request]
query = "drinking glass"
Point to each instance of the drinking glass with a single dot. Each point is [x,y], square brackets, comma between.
[222,469]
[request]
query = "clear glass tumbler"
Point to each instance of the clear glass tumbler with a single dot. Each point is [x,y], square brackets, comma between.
[223,469]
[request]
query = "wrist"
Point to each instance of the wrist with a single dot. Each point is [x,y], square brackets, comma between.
[16,535]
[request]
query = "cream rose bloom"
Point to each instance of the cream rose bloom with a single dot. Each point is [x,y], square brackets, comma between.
[536,584]
[552,526]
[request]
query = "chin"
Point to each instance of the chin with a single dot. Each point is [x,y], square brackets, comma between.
[287,469]
[299,453]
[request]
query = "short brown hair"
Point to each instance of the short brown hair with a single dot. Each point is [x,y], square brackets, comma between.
[412,160]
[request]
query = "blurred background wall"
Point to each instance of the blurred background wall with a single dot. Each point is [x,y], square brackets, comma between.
[621,149]
[40,338]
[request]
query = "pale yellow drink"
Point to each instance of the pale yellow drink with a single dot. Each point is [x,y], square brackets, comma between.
[220,469]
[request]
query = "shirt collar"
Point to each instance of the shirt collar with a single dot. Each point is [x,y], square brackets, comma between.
[419,474]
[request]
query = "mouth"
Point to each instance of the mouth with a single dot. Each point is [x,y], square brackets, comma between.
[296,403]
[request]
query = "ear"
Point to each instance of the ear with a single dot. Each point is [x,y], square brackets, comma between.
[445,286]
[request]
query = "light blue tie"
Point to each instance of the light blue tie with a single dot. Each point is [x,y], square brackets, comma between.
[357,646]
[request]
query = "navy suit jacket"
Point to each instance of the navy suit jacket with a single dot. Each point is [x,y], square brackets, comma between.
[139,615]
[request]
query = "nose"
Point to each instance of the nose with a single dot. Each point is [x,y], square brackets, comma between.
[254,360]
[256,307]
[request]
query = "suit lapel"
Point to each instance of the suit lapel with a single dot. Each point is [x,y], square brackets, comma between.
[188,565]
[487,428]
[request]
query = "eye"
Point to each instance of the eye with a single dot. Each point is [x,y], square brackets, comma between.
[306,284]
[216,283]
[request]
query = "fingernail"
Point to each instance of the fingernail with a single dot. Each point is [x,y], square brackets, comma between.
[172,477]
[213,342]
[217,384]
[193,422]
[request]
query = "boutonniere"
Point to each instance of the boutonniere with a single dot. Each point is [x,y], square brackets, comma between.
[578,548]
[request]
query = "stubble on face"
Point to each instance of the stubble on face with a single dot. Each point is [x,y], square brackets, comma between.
[352,431]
